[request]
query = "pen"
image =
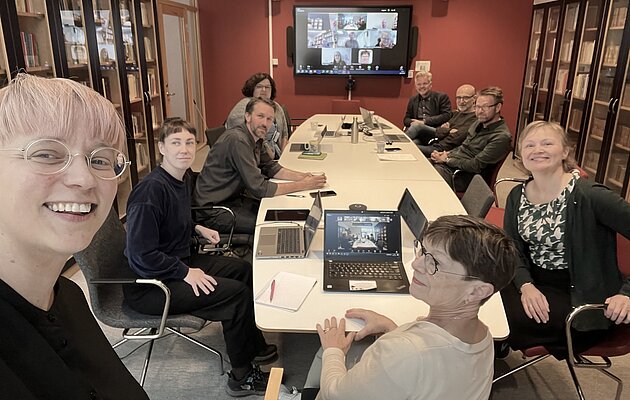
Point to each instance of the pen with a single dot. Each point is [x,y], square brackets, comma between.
[295,195]
[273,289]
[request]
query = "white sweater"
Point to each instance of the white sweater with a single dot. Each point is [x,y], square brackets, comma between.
[418,360]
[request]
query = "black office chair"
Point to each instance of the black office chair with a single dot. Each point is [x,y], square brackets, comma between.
[106,270]
[229,239]
[478,198]
[213,134]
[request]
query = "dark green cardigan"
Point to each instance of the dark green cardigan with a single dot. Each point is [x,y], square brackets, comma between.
[594,215]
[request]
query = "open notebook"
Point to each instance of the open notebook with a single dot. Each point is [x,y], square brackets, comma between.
[289,291]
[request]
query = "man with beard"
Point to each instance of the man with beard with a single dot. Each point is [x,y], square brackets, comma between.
[452,133]
[237,170]
[487,143]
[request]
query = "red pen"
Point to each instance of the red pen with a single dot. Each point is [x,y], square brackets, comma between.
[273,289]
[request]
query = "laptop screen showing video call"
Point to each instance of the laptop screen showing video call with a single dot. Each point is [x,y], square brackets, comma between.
[360,234]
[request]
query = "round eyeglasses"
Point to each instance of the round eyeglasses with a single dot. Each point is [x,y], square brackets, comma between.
[50,156]
[431,264]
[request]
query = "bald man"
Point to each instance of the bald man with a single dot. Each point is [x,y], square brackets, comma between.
[452,133]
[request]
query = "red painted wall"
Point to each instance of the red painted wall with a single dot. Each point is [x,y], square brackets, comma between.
[482,42]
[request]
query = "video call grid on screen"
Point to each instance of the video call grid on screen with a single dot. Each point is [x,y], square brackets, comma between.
[352,40]
[348,235]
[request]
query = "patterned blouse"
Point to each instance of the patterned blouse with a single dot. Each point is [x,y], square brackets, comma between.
[542,227]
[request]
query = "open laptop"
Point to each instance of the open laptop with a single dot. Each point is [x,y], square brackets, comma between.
[302,146]
[372,125]
[362,252]
[334,133]
[290,241]
[412,214]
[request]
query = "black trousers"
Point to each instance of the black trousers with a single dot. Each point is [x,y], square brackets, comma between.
[526,332]
[461,182]
[231,303]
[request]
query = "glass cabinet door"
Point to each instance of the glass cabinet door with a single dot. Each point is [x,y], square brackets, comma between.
[604,88]
[73,25]
[549,48]
[4,65]
[154,89]
[532,64]
[564,62]
[588,38]
[131,67]
[108,66]
[35,37]
[617,162]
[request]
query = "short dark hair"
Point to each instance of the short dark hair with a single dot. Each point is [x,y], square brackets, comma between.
[482,248]
[174,125]
[493,91]
[250,84]
[250,105]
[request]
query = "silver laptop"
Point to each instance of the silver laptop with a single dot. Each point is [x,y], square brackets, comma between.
[334,133]
[376,125]
[290,241]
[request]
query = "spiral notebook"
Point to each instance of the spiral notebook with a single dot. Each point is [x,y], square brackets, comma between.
[289,291]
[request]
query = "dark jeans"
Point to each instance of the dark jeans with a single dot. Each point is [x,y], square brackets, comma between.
[420,133]
[231,303]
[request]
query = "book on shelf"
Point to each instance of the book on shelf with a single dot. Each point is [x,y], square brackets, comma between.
[561,81]
[132,82]
[107,90]
[155,118]
[580,86]
[565,51]
[148,49]
[147,14]
[137,122]
[591,20]
[142,157]
[30,49]
[571,17]
[545,78]
[152,79]
[586,52]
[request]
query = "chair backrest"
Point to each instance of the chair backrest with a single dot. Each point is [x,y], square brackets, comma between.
[623,255]
[490,173]
[478,198]
[212,134]
[104,258]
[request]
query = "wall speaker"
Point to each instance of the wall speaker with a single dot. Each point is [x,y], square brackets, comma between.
[413,43]
[290,44]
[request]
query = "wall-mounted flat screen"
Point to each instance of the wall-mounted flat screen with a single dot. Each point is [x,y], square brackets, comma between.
[368,40]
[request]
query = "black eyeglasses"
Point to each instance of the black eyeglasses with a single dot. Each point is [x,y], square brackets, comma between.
[431,264]
[463,97]
[485,107]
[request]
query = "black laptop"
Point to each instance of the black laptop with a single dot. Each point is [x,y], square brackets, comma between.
[363,253]
[412,214]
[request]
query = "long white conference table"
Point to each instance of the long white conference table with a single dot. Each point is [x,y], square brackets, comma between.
[356,174]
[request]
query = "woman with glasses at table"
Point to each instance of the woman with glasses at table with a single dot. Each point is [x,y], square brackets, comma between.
[262,85]
[447,354]
[59,144]
[565,227]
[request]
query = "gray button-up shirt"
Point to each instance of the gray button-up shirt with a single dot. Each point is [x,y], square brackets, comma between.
[236,165]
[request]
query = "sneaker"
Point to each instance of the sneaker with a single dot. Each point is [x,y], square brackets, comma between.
[501,350]
[267,355]
[254,383]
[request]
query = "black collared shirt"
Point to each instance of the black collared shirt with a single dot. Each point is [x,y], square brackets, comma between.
[60,353]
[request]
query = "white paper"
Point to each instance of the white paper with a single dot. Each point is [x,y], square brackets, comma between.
[396,157]
[290,291]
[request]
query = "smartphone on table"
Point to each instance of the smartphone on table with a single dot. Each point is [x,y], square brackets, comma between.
[324,193]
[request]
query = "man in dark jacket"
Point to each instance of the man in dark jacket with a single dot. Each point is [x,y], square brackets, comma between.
[427,108]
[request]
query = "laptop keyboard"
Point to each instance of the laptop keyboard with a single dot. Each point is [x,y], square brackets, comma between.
[288,240]
[362,270]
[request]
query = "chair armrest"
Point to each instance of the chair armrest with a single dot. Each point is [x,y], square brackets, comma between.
[155,282]
[226,209]
[572,315]
[273,384]
[501,180]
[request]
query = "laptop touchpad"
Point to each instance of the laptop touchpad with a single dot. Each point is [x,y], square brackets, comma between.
[266,240]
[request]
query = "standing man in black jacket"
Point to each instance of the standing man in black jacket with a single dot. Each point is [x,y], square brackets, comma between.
[426,109]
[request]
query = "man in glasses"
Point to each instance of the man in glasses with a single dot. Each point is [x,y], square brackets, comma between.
[488,142]
[427,108]
[452,133]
